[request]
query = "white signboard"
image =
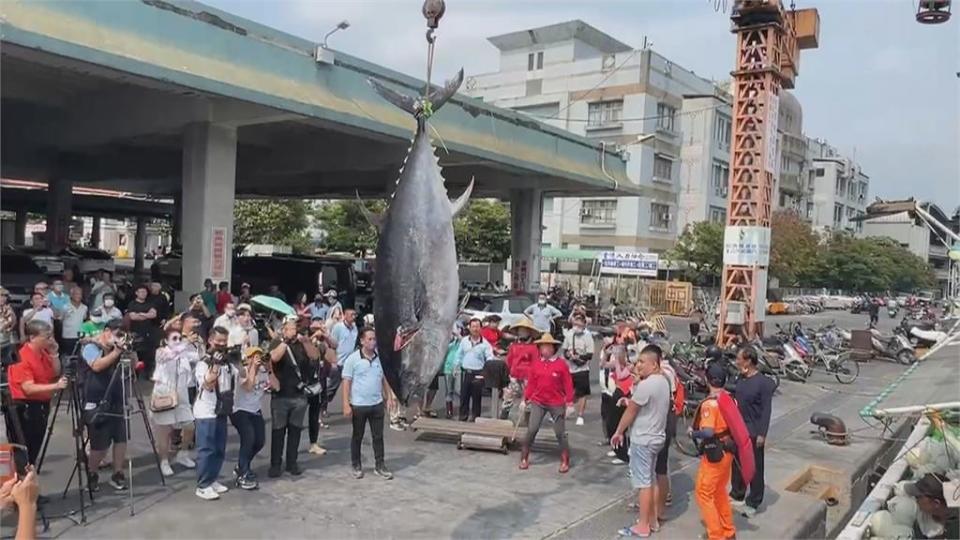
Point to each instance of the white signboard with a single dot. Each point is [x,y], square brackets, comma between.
[746,246]
[630,264]
[772,161]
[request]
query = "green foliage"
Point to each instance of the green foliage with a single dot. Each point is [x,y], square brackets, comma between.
[700,245]
[346,227]
[869,265]
[283,222]
[482,231]
[793,249]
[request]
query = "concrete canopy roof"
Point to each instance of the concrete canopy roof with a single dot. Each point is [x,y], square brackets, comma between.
[554,33]
[100,93]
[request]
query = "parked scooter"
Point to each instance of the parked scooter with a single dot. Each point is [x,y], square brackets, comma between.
[896,347]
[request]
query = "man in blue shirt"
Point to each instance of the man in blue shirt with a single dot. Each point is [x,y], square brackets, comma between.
[473,354]
[542,313]
[364,387]
[319,308]
[343,338]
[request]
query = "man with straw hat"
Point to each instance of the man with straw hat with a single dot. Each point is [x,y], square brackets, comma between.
[549,391]
[520,354]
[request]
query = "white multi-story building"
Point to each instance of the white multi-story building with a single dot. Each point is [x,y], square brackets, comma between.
[575,77]
[838,189]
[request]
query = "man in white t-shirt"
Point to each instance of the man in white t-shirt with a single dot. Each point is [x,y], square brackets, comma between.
[646,417]
[215,377]
[39,310]
[243,332]
[229,318]
[72,315]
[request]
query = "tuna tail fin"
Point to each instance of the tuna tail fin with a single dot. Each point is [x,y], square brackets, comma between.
[415,105]
[375,220]
[460,202]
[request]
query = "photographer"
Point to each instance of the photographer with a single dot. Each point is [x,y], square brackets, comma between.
[33,380]
[315,402]
[252,381]
[294,358]
[103,403]
[578,347]
[215,376]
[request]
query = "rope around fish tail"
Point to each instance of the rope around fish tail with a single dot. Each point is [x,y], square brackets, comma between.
[439,138]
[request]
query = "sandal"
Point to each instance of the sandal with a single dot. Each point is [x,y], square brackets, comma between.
[629,532]
[669,498]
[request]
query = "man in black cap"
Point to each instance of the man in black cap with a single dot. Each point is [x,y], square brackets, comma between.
[928,491]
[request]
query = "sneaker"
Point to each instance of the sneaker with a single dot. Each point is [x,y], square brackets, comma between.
[382,472]
[748,511]
[617,461]
[93,482]
[183,459]
[118,481]
[738,503]
[611,454]
[165,468]
[294,469]
[317,449]
[236,473]
[579,420]
[247,482]
[207,493]
[275,471]
[397,426]
[357,473]
[218,487]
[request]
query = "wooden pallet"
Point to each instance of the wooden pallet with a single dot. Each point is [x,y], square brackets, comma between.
[483,427]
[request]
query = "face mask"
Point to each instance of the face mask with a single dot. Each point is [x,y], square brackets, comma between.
[108,303]
[58,288]
[178,346]
[229,312]
[542,302]
[577,329]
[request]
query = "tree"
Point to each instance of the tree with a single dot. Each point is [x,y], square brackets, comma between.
[345,227]
[278,222]
[482,231]
[700,246]
[793,248]
[869,265]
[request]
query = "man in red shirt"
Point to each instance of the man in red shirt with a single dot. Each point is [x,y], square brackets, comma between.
[520,354]
[223,296]
[33,380]
[549,391]
[491,332]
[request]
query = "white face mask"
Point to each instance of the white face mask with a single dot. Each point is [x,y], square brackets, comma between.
[542,302]
[577,329]
[108,303]
[229,312]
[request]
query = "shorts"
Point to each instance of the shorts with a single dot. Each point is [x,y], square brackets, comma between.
[664,454]
[643,458]
[107,429]
[581,384]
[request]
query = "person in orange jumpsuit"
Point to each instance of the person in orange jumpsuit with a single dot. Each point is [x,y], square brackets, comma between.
[711,431]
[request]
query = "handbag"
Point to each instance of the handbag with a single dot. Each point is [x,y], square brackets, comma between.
[160,400]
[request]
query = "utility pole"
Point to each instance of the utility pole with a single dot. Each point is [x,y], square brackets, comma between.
[769,40]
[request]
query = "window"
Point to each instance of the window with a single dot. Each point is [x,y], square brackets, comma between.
[718,215]
[660,216]
[722,131]
[809,210]
[837,215]
[820,172]
[588,247]
[604,113]
[841,186]
[548,205]
[535,61]
[720,178]
[666,115]
[599,212]
[662,169]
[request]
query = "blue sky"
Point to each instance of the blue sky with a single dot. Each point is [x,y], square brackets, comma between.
[881,86]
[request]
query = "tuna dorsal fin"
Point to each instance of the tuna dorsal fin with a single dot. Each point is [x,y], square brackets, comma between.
[375,220]
[458,204]
[414,105]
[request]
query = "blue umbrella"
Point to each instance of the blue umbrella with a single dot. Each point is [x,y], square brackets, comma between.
[273,303]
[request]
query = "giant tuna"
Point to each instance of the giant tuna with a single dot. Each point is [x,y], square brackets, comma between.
[416,280]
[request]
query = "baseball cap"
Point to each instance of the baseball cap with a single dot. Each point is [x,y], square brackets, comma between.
[716,375]
[930,485]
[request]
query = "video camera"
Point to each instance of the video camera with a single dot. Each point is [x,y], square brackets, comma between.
[230,355]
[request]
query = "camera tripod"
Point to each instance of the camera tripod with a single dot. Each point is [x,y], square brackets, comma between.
[130,393]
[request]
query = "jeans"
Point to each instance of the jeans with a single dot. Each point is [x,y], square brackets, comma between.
[252,437]
[471,392]
[737,488]
[313,417]
[211,449]
[361,416]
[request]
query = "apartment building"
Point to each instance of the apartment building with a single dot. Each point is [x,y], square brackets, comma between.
[576,77]
[838,189]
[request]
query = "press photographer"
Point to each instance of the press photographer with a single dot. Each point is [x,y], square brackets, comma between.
[294,358]
[103,402]
[33,381]
[215,376]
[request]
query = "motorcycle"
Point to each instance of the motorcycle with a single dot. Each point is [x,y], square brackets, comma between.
[893,311]
[895,347]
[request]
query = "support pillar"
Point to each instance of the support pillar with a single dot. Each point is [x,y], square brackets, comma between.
[139,246]
[59,209]
[95,233]
[209,181]
[176,222]
[20,228]
[526,230]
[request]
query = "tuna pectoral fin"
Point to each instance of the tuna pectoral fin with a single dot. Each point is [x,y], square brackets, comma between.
[461,202]
[375,220]
[404,337]
[414,105]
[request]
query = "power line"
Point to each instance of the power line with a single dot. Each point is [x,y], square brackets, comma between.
[603,80]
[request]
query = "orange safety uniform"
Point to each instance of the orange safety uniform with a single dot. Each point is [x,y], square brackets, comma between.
[713,479]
